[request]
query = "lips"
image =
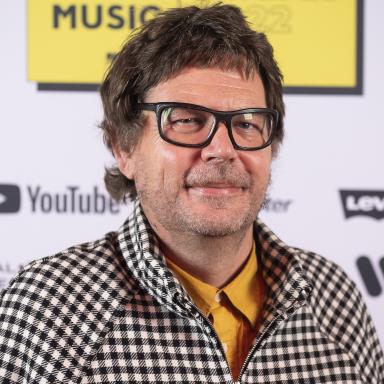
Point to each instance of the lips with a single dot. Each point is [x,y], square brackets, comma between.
[216,186]
[235,184]
[215,190]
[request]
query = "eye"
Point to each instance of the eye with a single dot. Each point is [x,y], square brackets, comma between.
[184,120]
[249,123]
[245,125]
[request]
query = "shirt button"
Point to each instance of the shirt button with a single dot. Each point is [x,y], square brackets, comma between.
[218,297]
[225,347]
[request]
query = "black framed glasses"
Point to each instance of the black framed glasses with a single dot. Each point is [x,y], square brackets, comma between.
[190,125]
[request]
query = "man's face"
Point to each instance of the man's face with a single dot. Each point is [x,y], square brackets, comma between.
[211,191]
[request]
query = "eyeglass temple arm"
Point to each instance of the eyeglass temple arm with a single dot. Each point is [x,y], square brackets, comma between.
[147,106]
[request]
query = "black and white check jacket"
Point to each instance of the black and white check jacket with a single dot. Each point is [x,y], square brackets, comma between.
[111,312]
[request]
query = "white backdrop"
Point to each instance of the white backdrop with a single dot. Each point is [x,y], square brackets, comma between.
[50,146]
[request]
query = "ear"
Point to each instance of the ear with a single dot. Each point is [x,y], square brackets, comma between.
[125,162]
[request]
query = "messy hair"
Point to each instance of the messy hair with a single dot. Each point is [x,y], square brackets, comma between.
[214,36]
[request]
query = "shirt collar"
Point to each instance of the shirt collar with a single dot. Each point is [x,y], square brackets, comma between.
[202,294]
[243,291]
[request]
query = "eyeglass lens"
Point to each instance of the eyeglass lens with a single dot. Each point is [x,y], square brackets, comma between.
[192,126]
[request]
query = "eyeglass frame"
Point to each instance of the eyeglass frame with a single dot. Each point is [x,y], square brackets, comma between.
[220,116]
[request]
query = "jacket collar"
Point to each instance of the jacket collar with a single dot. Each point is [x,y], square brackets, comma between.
[141,250]
[288,287]
[286,284]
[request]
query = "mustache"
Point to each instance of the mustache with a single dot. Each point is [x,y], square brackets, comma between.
[222,174]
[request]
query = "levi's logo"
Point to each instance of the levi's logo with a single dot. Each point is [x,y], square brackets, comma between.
[10,198]
[363,203]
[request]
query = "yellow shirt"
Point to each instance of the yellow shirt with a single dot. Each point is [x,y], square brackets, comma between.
[233,310]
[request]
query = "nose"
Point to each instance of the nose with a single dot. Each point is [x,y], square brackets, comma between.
[220,146]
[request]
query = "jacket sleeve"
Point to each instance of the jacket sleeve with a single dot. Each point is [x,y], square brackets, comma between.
[343,316]
[54,313]
[19,330]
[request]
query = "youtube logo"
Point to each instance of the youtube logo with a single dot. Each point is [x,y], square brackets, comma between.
[10,198]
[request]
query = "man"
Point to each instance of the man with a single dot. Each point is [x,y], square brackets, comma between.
[193,288]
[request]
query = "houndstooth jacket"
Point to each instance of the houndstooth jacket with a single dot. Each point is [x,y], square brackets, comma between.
[111,312]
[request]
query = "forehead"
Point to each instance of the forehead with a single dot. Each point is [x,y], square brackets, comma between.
[212,87]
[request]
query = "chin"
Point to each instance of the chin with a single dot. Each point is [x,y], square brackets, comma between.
[218,223]
[220,205]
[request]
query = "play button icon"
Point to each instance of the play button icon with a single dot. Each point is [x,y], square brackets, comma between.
[10,198]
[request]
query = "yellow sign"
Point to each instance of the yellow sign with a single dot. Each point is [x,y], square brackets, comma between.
[317,42]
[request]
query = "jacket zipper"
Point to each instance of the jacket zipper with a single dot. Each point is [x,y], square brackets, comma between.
[268,331]
[206,320]
[254,348]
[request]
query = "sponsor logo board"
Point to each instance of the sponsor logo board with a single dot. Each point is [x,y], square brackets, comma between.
[72,199]
[370,274]
[276,205]
[70,44]
[368,203]
[10,198]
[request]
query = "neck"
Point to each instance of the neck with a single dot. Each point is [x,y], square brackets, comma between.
[214,260]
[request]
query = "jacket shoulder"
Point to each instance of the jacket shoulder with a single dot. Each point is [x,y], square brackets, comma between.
[85,267]
[341,313]
[55,310]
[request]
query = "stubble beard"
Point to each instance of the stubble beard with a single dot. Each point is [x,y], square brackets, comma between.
[219,220]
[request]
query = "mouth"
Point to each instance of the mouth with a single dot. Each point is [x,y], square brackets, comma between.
[216,181]
[215,190]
